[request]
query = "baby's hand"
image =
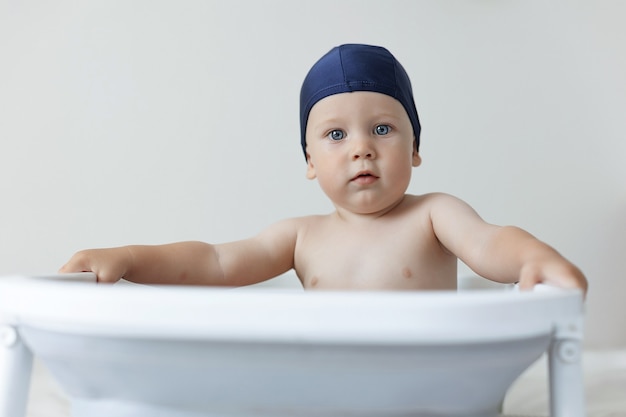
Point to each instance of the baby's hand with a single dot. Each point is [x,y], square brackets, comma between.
[109,265]
[555,272]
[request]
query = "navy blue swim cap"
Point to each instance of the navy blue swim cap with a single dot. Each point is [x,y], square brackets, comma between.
[355,67]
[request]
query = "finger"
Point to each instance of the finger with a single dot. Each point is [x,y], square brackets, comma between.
[529,277]
[79,262]
[109,277]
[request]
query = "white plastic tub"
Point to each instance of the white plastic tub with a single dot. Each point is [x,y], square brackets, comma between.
[189,352]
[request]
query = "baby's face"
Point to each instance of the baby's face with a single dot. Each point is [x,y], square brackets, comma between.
[361,148]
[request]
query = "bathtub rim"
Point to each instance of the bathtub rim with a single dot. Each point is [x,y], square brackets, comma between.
[294,316]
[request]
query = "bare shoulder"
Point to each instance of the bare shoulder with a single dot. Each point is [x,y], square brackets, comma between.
[449,216]
[295,223]
[289,229]
[281,229]
[437,198]
[436,203]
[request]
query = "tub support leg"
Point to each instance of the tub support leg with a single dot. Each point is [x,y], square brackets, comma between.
[567,392]
[16,362]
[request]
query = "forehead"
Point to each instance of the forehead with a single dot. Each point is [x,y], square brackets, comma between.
[357,103]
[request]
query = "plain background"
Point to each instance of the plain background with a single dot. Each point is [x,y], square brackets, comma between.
[156,121]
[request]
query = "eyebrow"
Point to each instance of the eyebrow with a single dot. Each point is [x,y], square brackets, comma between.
[387,115]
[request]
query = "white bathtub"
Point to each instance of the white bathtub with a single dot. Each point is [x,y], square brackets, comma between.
[188,352]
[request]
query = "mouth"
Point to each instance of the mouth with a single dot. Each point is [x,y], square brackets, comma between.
[364,177]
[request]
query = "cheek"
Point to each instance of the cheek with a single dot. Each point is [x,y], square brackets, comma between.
[330,172]
[401,165]
[326,171]
[403,152]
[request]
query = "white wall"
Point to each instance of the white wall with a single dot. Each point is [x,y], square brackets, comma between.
[156,121]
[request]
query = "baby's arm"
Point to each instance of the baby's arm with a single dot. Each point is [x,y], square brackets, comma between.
[195,263]
[501,253]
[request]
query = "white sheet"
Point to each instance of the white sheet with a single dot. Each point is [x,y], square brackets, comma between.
[605,386]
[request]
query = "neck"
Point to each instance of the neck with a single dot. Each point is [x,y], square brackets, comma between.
[350,215]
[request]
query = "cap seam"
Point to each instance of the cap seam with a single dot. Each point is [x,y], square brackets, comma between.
[343,68]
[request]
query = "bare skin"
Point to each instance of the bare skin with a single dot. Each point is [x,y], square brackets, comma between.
[361,150]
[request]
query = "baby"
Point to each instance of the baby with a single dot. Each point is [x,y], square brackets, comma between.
[360,135]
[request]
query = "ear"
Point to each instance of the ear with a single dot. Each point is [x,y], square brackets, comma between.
[417,159]
[310,168]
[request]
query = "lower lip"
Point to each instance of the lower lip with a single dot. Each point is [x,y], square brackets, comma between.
[366,179]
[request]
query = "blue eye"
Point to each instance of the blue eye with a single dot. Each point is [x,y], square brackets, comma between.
[337,134]
[382,129]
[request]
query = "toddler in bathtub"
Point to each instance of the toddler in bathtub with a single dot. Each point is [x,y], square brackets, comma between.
[360,135]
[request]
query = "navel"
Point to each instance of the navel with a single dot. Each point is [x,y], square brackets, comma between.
[314,281]
[406,272]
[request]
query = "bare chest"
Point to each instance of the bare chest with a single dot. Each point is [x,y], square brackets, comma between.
[396,258]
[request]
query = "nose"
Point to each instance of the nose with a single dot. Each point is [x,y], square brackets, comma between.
[363,148]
